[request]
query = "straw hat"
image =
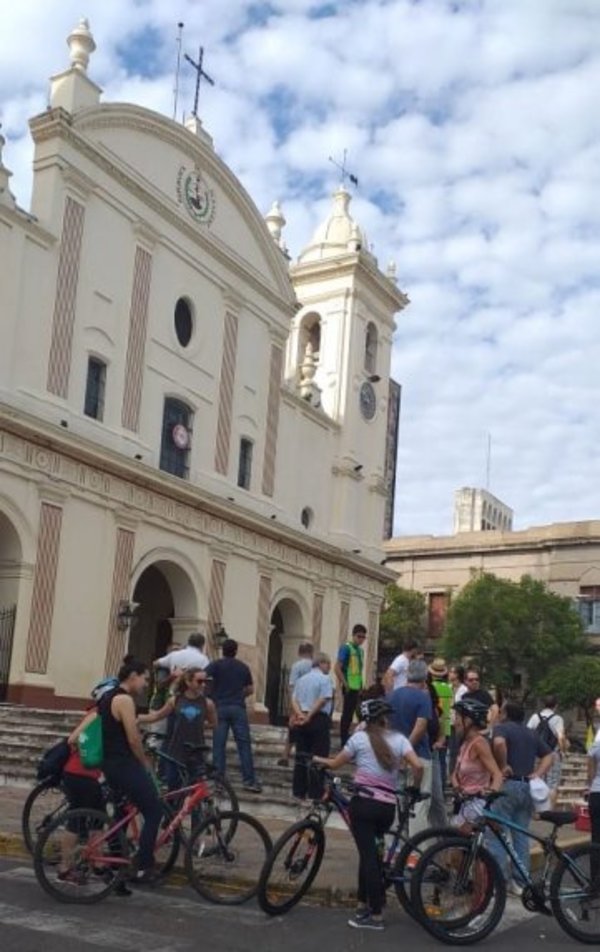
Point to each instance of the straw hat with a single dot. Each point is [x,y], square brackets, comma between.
[438,668]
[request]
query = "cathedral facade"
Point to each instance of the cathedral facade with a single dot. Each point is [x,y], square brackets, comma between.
[195,433]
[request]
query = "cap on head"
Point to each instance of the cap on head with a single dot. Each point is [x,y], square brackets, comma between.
[417,671]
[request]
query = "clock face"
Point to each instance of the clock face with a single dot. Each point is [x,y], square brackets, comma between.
[181,437]
[368,400]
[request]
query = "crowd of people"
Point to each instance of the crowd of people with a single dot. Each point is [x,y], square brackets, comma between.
[440,722]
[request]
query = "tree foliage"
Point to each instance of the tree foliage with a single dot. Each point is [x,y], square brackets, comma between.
[516,632]
[575,683]
[403,617]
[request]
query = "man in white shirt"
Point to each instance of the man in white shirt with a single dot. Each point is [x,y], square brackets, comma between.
[312,705]
[551,727]
[192,656]
[396,674]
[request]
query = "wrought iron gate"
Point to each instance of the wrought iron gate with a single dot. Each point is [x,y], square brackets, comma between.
[7,629]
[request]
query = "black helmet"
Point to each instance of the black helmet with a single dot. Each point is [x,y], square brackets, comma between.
[475,710]
[374,708]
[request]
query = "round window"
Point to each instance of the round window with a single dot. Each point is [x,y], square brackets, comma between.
[306,517]
[184,323]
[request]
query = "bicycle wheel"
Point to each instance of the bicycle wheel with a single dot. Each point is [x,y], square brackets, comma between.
[43,804]
[457,895]
[291,867]
[575,893]
[75,861]
[408,857]
[223,868]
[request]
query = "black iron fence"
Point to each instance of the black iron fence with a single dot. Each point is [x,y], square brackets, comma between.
[7,630]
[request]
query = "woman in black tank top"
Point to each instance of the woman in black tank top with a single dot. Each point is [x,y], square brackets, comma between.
[125,764]
[188,711]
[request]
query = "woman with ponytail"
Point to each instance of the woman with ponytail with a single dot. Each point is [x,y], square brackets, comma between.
[125,764]
[378,754]
[188,711]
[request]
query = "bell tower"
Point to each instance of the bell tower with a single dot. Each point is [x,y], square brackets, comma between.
[339,359]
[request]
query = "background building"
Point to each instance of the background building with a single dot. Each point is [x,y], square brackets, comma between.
[476,510]
[565,556]
[194,434]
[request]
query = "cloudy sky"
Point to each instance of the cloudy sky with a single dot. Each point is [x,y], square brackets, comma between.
[474,128]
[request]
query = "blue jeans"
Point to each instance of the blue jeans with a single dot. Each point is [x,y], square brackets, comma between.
[236,717]
[515,805]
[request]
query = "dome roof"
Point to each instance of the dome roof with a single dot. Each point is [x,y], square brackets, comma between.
[338,234]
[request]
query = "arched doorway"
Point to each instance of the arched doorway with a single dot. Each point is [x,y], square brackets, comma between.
[287,631]
[10,572]
[166,612]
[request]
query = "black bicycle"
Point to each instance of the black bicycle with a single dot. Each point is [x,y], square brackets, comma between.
[296,857]
[458,890]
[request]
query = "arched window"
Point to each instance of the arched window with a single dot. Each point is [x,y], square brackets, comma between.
[176,438]
[371,348]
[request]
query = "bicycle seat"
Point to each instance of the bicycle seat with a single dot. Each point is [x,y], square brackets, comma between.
[558,817]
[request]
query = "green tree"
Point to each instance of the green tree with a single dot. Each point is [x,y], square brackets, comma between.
[514,631]
[575,683]
[403,617]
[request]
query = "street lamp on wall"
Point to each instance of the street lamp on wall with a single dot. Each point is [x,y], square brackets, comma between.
[220,634]
[125,614]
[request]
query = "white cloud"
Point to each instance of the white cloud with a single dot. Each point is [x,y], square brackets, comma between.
[474,131]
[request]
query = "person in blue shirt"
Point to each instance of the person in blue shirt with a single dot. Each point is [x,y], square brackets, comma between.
[231,685]
[411,710]
[312,705]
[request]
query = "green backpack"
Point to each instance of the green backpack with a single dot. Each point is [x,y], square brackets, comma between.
[90,744]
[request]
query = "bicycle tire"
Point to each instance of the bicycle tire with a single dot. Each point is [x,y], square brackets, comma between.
[570,910]
[38,800]
[412,845]
[93,878]
[452,911]
[304,835]
[223,868]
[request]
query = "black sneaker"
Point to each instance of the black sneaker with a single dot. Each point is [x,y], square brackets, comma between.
[367,922]
[252,787]
[145,877]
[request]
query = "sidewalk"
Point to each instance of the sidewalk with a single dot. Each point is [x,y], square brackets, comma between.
[336,881]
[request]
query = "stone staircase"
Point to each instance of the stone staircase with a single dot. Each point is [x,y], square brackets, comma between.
[25,733]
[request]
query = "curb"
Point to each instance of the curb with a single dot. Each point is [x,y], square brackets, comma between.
[11,845]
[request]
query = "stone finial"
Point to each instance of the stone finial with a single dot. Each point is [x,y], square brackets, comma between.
[6,196]
[81,44]
[275,223]
[391,271]
[355,240]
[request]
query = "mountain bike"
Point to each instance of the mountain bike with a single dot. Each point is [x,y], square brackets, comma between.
[296,857]
[45,802]
[84,854]
[458,890]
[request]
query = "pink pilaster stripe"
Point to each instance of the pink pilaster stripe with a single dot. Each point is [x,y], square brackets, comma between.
[136,343]
[44,589]
[344,622]
[262,635]
[116,641]
[61,344]
[317,621]
[215,596]
[226,394]
[268,480]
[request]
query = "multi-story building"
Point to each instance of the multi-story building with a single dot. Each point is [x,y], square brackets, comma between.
[194,434]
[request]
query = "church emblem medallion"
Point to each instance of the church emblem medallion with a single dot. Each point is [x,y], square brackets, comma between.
[196,196]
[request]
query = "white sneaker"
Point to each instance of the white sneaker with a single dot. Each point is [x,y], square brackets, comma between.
[513,889]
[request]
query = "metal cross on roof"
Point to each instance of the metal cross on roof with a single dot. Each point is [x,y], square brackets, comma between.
[342,167]
[200,74]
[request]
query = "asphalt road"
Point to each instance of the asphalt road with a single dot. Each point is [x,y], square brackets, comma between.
[171,919]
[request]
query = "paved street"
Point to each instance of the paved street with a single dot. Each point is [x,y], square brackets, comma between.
[173,920]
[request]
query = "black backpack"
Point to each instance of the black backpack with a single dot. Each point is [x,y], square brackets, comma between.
[53,761]
[545,732]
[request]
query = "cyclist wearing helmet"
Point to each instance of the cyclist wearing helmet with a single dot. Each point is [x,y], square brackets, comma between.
[378,754]
[476,770]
